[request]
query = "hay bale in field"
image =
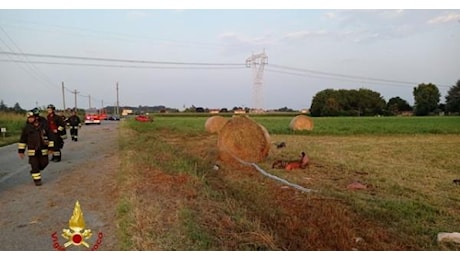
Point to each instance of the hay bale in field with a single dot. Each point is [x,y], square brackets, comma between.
[244,138]
[301,122]
[215,123]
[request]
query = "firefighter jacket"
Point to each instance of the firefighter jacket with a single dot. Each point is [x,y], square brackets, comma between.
[36,138]
[73,122]
[56,123]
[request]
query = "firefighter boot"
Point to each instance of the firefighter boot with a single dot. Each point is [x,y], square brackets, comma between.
[37,178]
[56,156]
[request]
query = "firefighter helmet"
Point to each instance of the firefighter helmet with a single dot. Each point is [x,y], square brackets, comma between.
[51,106]
[30,113]
[35,111]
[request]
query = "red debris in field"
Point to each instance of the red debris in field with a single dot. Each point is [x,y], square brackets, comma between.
[356,186]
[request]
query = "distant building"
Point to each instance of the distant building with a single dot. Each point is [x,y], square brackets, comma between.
[406,113]
[239,111]
[214,111]
[126,112]
[305,111]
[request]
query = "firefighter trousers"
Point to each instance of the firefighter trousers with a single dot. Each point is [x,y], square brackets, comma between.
[74,133]
[38,163]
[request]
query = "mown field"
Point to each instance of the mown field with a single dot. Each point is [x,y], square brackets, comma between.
[171,198]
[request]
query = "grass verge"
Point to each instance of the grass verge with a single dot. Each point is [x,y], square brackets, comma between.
[176,201]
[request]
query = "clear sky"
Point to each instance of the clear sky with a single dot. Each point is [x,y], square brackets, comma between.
[179,57]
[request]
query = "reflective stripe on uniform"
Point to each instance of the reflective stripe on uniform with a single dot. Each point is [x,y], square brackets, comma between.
[60,128]
[31,152]
[22,146]
[36,176]
[51,144]
[57,153]
[44,152]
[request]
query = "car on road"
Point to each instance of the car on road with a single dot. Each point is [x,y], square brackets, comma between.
[113,118]
[143,118]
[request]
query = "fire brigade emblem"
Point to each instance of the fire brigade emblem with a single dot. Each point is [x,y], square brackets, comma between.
[76,234]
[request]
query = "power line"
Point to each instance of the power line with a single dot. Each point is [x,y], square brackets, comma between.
[128,66]
[204,65]
[30,68]
[121,60]
[337,76]
[200,65]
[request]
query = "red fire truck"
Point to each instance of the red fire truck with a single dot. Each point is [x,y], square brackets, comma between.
[92,116]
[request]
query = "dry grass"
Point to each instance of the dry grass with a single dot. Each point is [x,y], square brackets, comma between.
[175,201]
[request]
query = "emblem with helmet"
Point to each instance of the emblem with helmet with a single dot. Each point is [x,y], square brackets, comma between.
[30,113]
[33,112]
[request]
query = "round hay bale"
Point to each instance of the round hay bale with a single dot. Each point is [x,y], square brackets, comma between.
[244,138]
[301,122]
[215,123]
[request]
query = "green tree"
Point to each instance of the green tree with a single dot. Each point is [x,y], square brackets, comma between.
[344,102]
[322,102]
[3,107]
[453,99]
[284,109]
[370,102]
[426,97]
[397,105]
[17,108]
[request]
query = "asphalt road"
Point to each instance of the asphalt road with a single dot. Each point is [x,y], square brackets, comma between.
[32,218]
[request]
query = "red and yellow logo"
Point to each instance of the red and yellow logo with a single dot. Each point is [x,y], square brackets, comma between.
[76,234]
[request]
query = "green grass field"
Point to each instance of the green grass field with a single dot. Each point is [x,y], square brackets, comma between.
[407,164]
[276,124]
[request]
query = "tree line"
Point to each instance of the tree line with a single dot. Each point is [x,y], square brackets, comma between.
[365,102]
[352,102]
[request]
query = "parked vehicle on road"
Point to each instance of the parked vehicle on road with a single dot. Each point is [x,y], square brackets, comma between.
[92,116]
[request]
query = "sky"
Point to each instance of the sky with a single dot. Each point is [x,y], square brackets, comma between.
[183,56]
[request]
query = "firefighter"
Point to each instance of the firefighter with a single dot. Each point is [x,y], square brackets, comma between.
[74,123]
[36,138]
[58,132]
[41,119]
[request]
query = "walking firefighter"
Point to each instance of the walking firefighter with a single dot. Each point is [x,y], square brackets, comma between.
[58,132]
[35,137]
[74,123]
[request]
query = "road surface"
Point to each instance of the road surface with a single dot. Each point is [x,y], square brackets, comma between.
[33,217]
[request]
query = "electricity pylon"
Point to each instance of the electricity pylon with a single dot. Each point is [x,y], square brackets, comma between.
[257,62]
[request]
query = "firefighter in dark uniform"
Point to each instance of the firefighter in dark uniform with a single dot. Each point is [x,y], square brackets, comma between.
[36,138]
[58,132]
[74,123]
[41,119]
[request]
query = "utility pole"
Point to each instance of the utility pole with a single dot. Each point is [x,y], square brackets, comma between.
[118,104]
[257,62]
[63,96]
[75,93]
[89,99]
